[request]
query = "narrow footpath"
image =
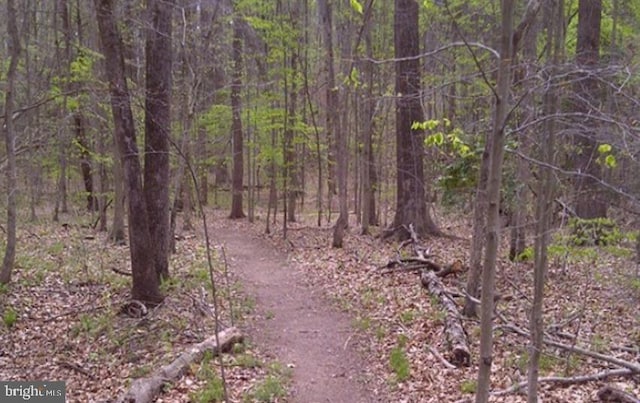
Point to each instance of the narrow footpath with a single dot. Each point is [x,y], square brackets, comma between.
[296,325]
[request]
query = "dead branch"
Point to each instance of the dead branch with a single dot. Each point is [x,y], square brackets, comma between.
[456,336]
[144,390]
[440,358]
[635,368]
[610,393]
[122,272]
[77,368]
[572,380]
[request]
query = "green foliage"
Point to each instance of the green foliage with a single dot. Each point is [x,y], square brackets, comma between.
[526,255]
[212,392]
[606,157]
[596,231]
[268,390]
[247,361]
[399,363]
[468,386]
[461,159]
[9,317]
[357,6]
[406,317]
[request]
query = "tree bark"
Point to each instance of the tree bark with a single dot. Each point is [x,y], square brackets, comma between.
[146,283]
[236,124]
[590,202]
[14,49]
[456,336]
[555,39]
[493,197]
[157,124]
[145,390]
[411,203]
[332,125]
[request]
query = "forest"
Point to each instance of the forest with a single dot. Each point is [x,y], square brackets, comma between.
[330,200]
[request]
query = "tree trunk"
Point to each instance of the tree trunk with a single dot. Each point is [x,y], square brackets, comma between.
[479,231]
[553,13]
[85,160]
[590,202]
[157,125]
[411,203]
[146,283]
[496,157]
[368,194]
[116,234]
[13,42]
[325,15]
[236,124]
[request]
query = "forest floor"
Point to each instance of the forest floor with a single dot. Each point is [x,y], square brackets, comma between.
[322,324]
[295,322]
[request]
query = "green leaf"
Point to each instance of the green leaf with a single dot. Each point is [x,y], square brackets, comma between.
[435,139]
[357,7]
[604,148]
[610,161]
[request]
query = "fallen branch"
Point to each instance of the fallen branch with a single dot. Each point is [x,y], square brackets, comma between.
[635,368]
[122,272]
[610,393]
[456,336]
[572,380]
[440,358]
[144,390]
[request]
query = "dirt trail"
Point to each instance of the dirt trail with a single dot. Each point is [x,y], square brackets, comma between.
[296,324]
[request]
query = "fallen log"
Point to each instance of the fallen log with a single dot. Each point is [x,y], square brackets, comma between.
[144,390]
[454,331]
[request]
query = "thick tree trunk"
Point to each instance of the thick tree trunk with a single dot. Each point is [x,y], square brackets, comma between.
[13,42]
[236,125]
[590,202]
[493,197]
[411,203]
[146,283]
[157,124]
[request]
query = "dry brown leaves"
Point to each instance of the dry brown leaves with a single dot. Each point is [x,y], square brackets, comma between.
[588,294]
[67,299]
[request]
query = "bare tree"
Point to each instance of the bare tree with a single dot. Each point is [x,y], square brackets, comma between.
[589,202]
[236,123]
[10,142]
[553,13]
[494,183]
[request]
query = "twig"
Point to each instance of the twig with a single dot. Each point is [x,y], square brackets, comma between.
[122,272]
[440,358]
[75,312]
[568,380]
[77,368]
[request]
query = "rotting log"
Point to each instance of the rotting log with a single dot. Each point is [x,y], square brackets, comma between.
[454,331]
[145,390]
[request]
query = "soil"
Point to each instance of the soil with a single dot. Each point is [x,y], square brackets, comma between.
[297,325]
